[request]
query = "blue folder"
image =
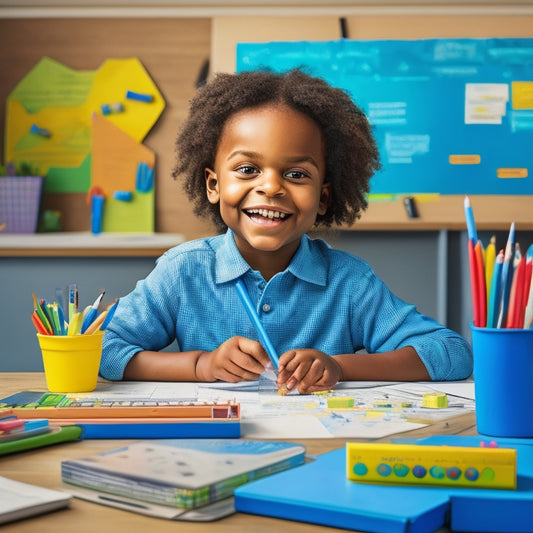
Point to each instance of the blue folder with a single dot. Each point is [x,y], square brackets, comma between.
[320,493]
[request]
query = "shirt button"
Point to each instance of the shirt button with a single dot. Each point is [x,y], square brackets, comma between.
[266,308]
[262,286]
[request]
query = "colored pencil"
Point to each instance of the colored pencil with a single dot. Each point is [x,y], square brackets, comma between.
[474,285]
[481,289]
[507,276]
[490,259]
[493,305]
[514,312]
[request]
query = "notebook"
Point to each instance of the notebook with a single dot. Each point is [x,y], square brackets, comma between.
[22,500]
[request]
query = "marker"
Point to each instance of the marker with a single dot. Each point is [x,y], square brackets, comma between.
[140,97]
[263,336]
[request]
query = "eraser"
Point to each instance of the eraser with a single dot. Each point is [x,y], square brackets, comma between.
[434,400]
[340,402]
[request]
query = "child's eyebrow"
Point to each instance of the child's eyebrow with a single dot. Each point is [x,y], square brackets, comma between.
[256,155]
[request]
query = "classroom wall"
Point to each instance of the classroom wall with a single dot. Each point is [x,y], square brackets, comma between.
[423,263]
[172,50]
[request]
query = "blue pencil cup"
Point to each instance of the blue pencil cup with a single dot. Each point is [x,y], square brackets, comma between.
[503,381]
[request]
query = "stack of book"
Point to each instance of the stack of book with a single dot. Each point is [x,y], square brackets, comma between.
[180,479]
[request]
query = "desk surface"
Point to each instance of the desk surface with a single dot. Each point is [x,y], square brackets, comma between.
[42,467]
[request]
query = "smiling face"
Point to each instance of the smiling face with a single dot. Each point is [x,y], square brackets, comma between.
[268,181]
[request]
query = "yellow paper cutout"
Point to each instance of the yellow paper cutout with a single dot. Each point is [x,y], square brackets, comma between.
[62,101]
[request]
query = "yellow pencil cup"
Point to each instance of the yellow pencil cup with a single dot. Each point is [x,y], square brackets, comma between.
[71,362]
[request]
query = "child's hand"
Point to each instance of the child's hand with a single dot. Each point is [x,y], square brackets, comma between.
[308,370]
[237,359]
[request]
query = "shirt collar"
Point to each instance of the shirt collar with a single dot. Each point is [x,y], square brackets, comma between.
[308,263]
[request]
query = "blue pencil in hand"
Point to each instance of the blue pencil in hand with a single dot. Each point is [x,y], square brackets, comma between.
[263,336]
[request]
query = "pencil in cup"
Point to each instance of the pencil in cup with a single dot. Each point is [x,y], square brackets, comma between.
[49,319]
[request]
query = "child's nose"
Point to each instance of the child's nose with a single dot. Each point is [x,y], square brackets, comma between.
[272,184]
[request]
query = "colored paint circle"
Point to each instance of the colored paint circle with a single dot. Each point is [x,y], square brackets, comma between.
[453,473]
[487,474]
[360,469]
[400,470]
[419,471]
[437,472]
[471,473]
[384,469]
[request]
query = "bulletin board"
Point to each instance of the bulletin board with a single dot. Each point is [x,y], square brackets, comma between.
[450,116]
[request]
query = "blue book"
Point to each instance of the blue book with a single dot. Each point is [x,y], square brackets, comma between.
[181,474]
[320,493]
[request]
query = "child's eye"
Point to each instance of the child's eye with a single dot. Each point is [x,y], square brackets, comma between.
[296,174]
[247,170]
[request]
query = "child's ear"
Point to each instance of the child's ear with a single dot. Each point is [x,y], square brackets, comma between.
[211,185]
[323,203]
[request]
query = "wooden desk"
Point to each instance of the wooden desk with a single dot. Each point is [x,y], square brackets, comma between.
[42,467]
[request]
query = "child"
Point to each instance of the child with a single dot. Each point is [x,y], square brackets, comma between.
[268,157]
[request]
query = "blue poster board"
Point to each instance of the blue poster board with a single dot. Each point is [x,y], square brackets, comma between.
[450,116]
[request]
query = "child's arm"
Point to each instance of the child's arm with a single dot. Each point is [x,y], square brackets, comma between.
[312,370]
[237,359]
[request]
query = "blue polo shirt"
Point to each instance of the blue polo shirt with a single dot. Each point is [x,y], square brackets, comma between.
[326,299]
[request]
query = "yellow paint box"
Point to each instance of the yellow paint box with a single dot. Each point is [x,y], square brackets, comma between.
[412,464]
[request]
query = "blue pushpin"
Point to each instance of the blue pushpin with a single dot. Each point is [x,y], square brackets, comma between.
[123,196]
[107,109]
[141,97]
[43,132]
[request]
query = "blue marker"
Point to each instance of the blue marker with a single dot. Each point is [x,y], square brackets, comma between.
[140,97]
[263,337]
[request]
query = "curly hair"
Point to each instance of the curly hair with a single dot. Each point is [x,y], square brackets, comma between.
[351,153]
